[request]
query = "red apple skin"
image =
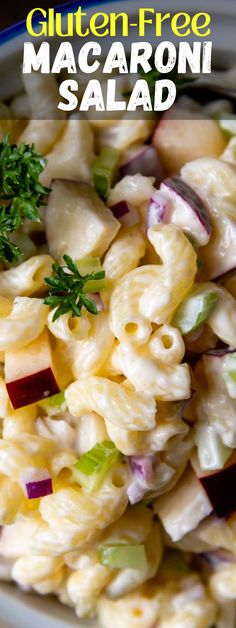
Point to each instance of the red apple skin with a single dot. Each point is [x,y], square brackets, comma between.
[219,485]
[32,388]
[220,489]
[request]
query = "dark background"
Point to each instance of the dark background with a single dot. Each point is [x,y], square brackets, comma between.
[13,11]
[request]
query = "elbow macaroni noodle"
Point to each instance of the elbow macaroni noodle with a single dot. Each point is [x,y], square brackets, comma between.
[121,406]
[64,162]
[27,278]
[24,321]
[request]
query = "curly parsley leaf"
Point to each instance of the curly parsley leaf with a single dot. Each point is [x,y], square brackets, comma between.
[67,289]
[21,193]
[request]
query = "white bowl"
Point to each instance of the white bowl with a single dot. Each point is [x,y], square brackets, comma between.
[17,609]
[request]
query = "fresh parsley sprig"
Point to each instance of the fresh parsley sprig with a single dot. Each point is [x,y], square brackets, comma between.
[67,289]
[21,193]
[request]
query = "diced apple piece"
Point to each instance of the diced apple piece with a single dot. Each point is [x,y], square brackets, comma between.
[185,209]
[72,155]
[212,452]
[29,373]
[219,486]
[223,362]
[185,136]
[214,403]
[3,398]
[78,223]
[182,508]
[216,182]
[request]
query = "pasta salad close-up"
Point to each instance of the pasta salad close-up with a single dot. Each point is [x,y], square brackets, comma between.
[118,360]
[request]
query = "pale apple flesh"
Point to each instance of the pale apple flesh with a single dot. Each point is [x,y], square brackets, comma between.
[183,136]
[29,373]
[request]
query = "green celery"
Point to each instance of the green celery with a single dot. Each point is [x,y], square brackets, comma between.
[194,311]
[91,468]
[57,400]
[104,170]
[123,556]
[88,265]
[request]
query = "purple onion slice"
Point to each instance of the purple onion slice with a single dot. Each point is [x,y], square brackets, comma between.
[144,161]
[125,213]
[36,483]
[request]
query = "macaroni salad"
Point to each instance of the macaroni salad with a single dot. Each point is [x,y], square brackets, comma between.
[118,363]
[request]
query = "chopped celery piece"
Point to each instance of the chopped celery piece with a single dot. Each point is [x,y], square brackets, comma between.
[212,452]
[104,170]
[96,285]
[227,122]
[88,265]
[123,556]
[91,468]
[194,311]
[57,400]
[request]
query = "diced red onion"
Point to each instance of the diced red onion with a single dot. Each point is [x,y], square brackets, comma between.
[125,213]
[120,209]
[220,352]
[156,209]
[39,488]
[176,203]
[217,557]
[143,471]
[190,197]
[144,161]
[143,467]
[36,483]
[96,297]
